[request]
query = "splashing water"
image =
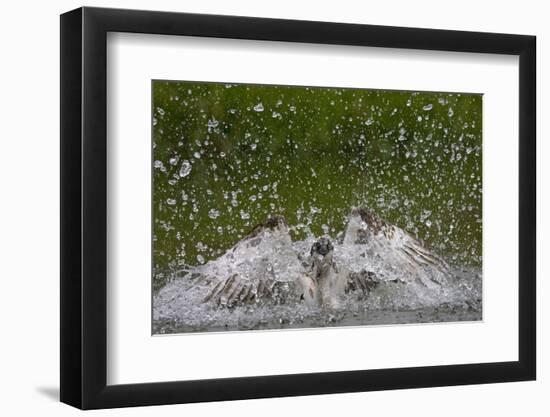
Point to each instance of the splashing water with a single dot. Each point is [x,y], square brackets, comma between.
[179,306]
[185,169]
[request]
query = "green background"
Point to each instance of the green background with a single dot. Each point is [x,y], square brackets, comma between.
[311,154]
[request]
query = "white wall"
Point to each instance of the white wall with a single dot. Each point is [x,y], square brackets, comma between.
[29,225]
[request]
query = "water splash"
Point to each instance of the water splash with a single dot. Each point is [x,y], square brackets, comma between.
[398,298]
[185,169]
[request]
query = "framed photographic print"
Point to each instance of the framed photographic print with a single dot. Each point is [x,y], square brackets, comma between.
[258,208]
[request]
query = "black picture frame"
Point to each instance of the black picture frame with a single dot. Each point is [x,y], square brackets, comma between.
[84,207]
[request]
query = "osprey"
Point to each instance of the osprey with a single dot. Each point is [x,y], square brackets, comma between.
[264,266]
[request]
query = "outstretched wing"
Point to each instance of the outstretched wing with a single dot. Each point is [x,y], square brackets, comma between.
[393,249]
[262,265]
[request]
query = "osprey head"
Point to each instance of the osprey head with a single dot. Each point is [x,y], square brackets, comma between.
[322,247]
[321,260]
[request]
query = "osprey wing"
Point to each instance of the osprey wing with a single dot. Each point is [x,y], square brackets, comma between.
[393,252]
[262,265]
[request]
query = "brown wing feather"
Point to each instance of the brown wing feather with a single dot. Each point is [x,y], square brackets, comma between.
[237,290]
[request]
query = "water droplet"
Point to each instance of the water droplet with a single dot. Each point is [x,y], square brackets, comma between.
[213,123]
[171,201]
[200,259]
[185,168]
[259,107]
[427,107]
[244,215]
[197,155]
[214,214]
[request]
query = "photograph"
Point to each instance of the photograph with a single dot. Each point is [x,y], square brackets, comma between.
[279,207]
